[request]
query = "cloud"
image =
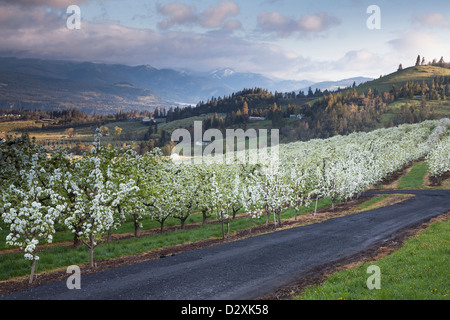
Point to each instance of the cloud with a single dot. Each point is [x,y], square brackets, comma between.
[358,59]
[284,26]
[232,25]
[177,14]
[432,20]
[13,18]
[42,33]
[430,45]
[213,17]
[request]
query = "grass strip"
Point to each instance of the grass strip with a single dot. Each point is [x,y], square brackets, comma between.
[414,179]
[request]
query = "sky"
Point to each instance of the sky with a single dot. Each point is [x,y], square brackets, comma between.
[284,39]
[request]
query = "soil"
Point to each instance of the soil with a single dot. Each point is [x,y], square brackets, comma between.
[18,284]
[443,181]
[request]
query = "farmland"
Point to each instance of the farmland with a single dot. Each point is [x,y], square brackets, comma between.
[179,213]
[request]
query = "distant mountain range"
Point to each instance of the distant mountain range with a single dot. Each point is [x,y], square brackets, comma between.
[335,85]
[108,88]
[236,81]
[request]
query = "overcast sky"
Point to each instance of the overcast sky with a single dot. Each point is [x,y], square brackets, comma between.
[291,39]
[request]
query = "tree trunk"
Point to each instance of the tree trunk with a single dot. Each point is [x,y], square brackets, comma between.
[76,240]
[204,217]
[183,223]
[137,227]
[223,231]
[91,257]
[91,247]
[315,210]
[33,266]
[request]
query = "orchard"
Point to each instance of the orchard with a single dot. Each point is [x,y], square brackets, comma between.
[93,194]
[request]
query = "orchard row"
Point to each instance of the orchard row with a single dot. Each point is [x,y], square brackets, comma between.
[94,194]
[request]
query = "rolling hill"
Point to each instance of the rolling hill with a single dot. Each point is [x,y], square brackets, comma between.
[399,78]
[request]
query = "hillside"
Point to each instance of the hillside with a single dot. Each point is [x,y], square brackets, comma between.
[399,78]
[323,114]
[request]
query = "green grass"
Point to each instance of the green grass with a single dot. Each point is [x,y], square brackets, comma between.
[441,108]
[367,205]
[414,179]
[17,125]
[417,271]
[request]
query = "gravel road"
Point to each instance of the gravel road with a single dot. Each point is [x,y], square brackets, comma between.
[254,267]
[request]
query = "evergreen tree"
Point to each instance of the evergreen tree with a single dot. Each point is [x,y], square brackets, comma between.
[418,61]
